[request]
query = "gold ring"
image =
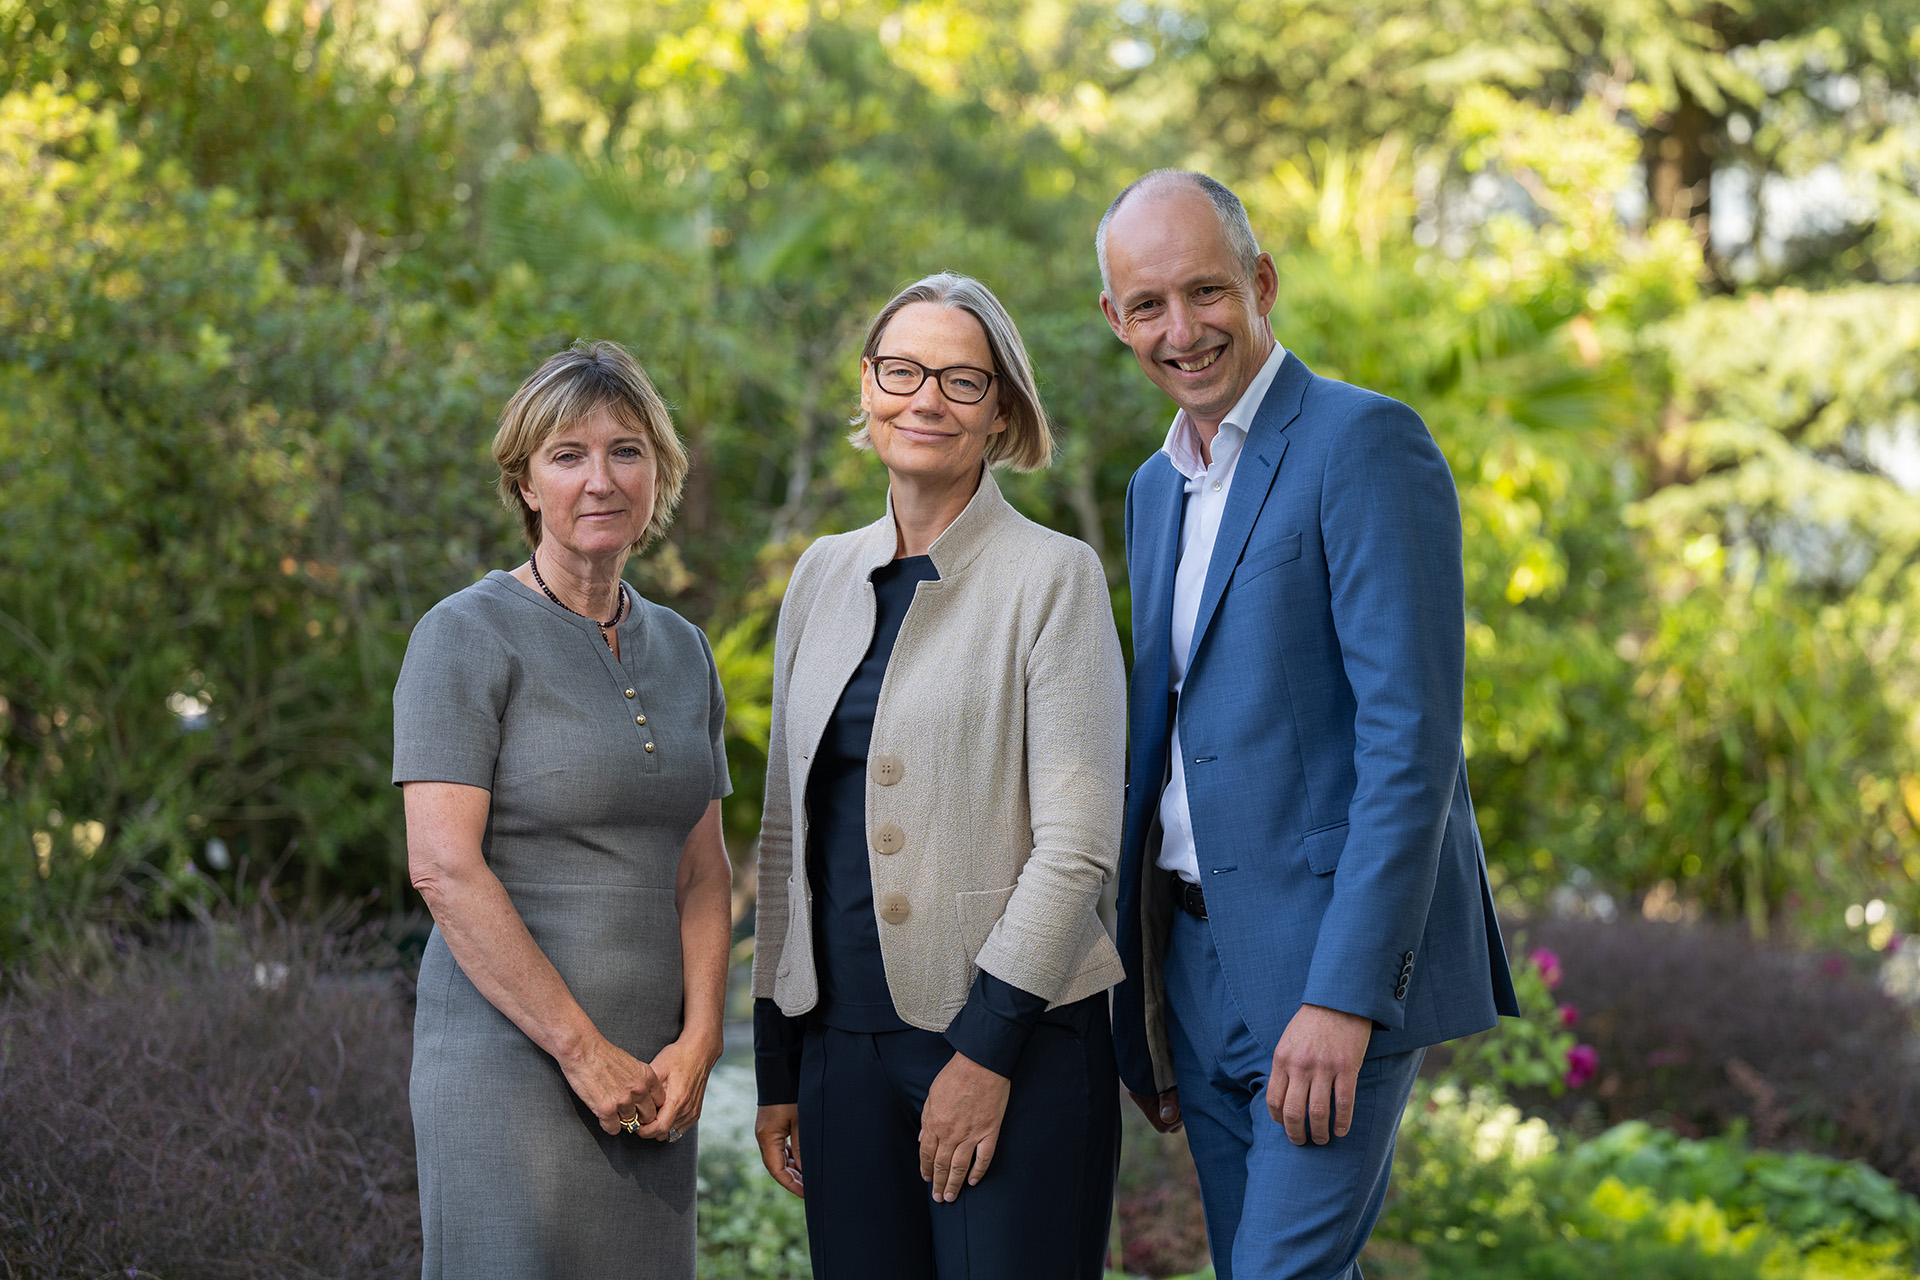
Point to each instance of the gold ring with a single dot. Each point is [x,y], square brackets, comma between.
[631,1123]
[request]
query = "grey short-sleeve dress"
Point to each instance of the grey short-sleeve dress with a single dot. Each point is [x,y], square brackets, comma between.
[599,768]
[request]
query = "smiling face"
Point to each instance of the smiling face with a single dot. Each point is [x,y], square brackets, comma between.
[1183,302]
[593,484]
[925,435]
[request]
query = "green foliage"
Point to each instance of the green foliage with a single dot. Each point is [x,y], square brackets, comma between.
[1814,1201]
[1483,1193]
[227,496]
[751,1228]
[1528,1052]
[254,327]
[1783,659]
[274,101]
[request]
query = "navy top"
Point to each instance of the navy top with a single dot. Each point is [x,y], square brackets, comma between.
[993,1027]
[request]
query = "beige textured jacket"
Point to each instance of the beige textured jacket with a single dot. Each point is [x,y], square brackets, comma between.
[994,775]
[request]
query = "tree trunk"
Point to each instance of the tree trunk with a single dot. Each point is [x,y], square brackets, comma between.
[1679,163]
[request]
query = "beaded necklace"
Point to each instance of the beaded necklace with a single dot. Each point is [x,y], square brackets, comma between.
[619,610]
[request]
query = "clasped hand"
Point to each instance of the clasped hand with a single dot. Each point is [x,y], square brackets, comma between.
[666,1094]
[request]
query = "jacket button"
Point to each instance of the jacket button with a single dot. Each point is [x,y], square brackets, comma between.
[889,838]
[629,693]
[1400,992]
[888,769]
[1409,959]
[893,908]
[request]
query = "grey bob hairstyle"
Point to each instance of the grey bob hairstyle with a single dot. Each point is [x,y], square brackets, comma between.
[1027,443]
[569,387]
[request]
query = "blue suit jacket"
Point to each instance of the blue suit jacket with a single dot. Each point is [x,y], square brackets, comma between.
[1321,717]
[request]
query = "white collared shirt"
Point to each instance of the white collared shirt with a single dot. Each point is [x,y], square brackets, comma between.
[1206,497]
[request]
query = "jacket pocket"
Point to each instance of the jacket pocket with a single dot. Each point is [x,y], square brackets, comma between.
[1265,559]
[977,913]
[1323,846]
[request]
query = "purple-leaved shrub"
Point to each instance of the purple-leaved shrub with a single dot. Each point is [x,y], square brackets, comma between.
[234,1105]
[1699,1028]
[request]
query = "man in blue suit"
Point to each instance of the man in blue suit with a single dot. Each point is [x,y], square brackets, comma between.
[1303,902]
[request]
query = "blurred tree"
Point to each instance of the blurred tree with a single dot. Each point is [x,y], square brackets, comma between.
[227,495]
[310,114]
[1646,269]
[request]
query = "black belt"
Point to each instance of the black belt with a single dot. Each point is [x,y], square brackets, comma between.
[1187,896]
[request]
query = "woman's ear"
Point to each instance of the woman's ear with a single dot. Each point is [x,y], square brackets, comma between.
[527,494]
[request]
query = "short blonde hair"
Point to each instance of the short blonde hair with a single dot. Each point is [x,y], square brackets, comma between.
[1027,443]
[569,387]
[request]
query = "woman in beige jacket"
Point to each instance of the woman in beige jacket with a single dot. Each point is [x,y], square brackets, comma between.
[942,811]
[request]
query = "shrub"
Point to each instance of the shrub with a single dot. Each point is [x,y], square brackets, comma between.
[1816,1201]
[1486,1195]
[232,1107]
[1535,1050]
[1700,1029]
[234,1104]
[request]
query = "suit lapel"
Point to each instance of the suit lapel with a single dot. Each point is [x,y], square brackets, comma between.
[1153,555]
[1162,491]
[1260,456]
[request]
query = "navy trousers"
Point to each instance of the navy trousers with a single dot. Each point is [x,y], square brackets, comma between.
[1044,1208]
[1274,1211]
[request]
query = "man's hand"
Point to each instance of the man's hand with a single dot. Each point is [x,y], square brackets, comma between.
[960,1125]
[1163,1112]
[1315,1068]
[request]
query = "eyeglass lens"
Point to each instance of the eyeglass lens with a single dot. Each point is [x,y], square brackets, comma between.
[902,377]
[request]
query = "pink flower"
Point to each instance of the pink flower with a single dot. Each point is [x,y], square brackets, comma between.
[1548,964]
[1569,1015]
[1583,1060]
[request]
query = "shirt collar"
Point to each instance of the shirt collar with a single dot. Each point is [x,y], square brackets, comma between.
[1183,439]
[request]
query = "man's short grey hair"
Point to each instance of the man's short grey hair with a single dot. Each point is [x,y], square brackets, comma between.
[1232,214]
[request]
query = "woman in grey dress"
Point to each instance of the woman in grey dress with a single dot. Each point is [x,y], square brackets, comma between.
[559,741]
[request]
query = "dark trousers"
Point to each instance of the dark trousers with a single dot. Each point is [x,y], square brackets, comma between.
[1041,1213]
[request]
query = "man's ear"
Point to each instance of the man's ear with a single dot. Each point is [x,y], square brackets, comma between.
[1112,313]
[1266,284]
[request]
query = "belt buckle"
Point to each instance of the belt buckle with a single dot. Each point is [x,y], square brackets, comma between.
[1189,897]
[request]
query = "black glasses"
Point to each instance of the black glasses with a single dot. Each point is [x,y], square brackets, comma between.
[962,384]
